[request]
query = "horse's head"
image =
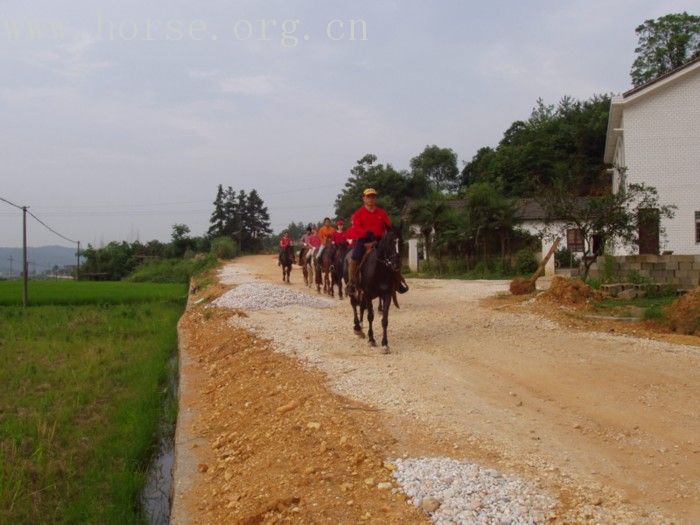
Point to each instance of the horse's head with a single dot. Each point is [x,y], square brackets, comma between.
[388,248]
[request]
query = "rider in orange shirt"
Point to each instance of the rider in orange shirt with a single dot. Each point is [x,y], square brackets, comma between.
[324,233]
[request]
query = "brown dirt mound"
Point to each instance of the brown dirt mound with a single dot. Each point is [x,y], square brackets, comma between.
[521,286]
[568,291]
[684,313]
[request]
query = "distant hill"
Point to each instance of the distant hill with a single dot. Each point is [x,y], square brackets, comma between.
[44,257]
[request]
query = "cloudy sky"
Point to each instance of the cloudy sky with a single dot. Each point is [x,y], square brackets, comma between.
[119,118]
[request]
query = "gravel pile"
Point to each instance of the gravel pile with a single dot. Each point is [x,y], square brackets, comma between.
[453,491]
[259,296]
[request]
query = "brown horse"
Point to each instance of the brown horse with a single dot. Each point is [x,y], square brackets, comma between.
[286,259]
[323,269]
[306,261]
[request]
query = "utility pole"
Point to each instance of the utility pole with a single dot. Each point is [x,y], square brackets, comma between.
[25,277]
[10,258]
[77,268]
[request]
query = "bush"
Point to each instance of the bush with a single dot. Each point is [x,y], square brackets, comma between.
[525,262]
[607,269]
[224,248]
[566,259]
[171,270]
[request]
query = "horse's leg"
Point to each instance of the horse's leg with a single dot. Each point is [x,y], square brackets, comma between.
[386,304]
[357,325]
[370,318]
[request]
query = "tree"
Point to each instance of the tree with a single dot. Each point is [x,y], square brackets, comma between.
[438,166]
[218,217]
[180,239]
[395,187]
[612,216]
[430,214]
[232,207]
[489,214]
[535,153]
[665,44]
[255,221]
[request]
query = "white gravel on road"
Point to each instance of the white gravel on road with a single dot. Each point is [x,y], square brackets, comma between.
[468,493]
[259,296]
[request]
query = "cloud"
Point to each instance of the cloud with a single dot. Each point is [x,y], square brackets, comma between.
[69,60]
[238,85]
[256,85]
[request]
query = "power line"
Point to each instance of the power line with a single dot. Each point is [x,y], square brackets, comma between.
[11,203]
[50,228]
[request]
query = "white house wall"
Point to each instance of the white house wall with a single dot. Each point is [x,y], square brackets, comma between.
[662,149]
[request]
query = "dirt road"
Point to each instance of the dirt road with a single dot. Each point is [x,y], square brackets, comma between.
[610,424]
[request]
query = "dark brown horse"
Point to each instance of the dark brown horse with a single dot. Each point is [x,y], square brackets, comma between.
[337,268]
[379,279]
[286,259]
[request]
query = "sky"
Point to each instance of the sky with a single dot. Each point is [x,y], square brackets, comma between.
[120,118]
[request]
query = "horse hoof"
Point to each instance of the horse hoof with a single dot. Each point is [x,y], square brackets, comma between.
[373,344]
[385,349]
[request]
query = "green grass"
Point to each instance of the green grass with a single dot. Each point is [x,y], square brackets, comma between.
[82,392]
[89,292]
[650,307]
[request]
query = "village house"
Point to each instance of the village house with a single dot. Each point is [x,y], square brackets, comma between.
[653,138]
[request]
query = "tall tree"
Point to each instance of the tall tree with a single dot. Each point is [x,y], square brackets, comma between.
[664,44]
[217,221]
[256,221]
[438,166]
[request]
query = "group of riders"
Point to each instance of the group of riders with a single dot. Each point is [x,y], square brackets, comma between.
[367,225]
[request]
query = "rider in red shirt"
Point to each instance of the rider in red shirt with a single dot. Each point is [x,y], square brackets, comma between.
[368,224]
[285,241]
[340,236]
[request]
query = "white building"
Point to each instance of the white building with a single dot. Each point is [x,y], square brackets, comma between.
[654,137]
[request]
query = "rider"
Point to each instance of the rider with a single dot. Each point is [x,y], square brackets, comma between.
[304,241]
[313,240]
[324,233]
[340,236]
[285,241]
[368,224]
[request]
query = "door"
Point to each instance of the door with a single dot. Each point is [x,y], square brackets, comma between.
[648,224]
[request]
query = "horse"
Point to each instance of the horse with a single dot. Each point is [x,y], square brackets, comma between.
[354,301]
[323,269]
[337,268]
[379,279]
[286,259]
[306,261]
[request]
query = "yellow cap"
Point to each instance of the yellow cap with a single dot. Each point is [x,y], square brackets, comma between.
[369,191]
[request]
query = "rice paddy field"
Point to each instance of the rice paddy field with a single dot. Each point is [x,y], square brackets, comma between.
[83,383]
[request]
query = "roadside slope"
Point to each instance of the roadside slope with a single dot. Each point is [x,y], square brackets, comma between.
[609,423]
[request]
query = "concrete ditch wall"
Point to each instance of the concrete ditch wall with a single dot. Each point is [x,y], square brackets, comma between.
[680,270]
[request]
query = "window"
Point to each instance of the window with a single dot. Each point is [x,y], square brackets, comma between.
[697,226]
[574,240]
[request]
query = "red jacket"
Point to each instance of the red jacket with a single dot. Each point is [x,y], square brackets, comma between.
[364,221]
